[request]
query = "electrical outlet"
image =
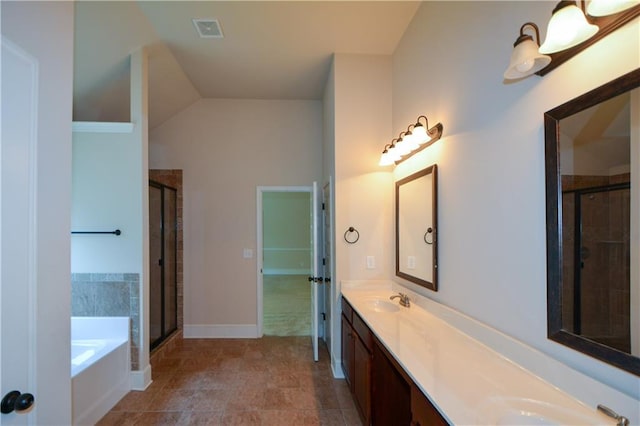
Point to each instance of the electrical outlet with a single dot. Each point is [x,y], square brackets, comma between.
[371,262]
[247,253]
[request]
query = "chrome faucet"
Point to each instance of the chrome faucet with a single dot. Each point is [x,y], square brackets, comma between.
[404,299]
[622,420]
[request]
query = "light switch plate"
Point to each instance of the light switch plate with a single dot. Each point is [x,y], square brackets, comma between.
[247,253]
[371,262]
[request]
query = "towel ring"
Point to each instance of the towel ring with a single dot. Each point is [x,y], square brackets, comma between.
[351,229]
[433,236]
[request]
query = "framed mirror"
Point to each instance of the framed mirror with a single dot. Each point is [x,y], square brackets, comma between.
[416,228]
[592,159]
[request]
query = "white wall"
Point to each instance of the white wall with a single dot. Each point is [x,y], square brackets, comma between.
[105,165]
[227,148]
[52,46]
[361,127]
[449,66]
[287,233]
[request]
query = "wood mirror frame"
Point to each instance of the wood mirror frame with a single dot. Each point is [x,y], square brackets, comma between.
[427,235]
[555,330]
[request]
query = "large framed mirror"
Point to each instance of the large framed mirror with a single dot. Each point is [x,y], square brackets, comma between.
[592,156]
[416,228]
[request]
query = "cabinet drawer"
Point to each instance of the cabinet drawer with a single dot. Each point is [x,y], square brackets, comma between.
[363,331]
[347,310]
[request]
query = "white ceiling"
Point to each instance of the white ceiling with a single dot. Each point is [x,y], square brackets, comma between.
[270,50]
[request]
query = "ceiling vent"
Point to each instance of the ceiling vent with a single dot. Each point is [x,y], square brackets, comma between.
[208,28]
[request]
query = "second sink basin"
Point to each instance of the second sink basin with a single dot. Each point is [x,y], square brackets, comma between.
[529,412]
[381,305]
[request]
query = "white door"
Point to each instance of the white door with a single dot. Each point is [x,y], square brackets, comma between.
[18,226]
[318,269]
[328,264]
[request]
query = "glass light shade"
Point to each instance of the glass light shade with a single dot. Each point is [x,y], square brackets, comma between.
[420,134]
[386,159]
[393,153]
[609,7]
[568,27]
[525,60]
[402,148]
[411,142]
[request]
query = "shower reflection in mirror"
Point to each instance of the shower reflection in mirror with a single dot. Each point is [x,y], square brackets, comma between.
[595,170]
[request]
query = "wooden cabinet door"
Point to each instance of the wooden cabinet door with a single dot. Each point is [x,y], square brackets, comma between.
[362,379]
[423,413]
[347,352]
[391,392]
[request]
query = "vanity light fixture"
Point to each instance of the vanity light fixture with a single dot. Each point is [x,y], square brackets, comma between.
[568,27]
[526,59]
[569,32]
[410,142]
[389,154]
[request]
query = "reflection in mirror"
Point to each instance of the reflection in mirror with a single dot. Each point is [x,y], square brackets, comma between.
[593,156]
[416,236]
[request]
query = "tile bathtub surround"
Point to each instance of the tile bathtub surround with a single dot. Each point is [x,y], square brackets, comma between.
[268,381]
[107,295]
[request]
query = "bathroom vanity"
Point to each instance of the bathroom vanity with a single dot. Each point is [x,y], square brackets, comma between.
[383,391]
[428,364]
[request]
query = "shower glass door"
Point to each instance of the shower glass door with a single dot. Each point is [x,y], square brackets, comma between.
[597,261]
[162,258]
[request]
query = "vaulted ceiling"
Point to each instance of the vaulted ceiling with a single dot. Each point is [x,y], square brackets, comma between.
[270,50]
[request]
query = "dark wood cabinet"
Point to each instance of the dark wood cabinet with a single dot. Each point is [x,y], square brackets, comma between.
[383,392]
[356,360]
[423,413]
[391,400]
[347,351]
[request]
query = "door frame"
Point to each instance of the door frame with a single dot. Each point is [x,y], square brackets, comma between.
[259,249]
[164,334]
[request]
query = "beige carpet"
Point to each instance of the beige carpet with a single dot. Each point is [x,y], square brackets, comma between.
[286,305]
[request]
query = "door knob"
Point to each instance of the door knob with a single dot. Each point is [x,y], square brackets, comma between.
[15,400]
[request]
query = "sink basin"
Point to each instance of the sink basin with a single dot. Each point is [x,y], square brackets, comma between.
[529,412]
[381,305]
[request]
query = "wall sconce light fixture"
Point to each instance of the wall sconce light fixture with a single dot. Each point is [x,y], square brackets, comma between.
[526,58]
[567,27]
[569,32]
[416,138]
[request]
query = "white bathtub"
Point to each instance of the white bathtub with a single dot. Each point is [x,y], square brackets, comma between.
[100,366]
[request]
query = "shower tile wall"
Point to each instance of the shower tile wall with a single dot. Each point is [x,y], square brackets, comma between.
[605,231]
[109,295]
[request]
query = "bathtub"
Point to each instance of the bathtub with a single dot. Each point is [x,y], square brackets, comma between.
[100,366]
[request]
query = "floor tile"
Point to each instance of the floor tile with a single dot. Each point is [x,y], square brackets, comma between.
[268,381]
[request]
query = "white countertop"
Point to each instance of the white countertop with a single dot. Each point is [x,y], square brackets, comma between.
[469,383]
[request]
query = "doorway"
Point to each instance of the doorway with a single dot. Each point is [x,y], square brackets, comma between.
[163,244]
[286,262]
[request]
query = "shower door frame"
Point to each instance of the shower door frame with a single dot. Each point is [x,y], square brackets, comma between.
[164,334]
[577,245]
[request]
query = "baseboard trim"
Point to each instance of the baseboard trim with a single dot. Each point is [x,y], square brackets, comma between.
[213,331]
[140,380]
[336,369]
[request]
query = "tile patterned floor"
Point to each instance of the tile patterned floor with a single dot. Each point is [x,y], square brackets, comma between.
[268,381]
